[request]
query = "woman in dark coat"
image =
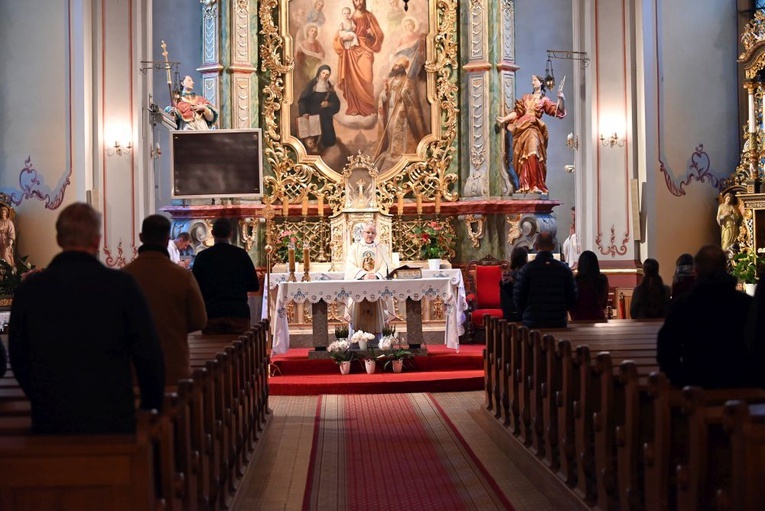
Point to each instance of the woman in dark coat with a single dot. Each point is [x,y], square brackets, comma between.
[593,289]
[651,298]
[518,258]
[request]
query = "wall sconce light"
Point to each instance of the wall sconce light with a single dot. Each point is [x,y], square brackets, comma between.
[119,149]
[612,140]
[572,142]
[155,152]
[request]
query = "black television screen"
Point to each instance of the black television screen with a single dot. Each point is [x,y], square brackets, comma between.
[217,163]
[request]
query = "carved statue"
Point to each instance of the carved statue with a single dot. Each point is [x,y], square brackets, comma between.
[7,236]
[729,218]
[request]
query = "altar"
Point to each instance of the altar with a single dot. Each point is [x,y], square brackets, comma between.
[444,285]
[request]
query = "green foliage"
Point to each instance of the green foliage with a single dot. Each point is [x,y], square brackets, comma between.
[434,239]
[747,266]
[10,277]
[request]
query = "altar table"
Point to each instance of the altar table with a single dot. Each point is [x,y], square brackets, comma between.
[447,286]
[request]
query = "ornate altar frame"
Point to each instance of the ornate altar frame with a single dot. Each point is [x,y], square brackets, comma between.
[296,177]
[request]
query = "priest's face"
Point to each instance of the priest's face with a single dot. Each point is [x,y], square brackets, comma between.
[369,233]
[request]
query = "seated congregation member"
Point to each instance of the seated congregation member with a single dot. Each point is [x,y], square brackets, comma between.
[650,299]
[544,289]
[367,260]
[77,331]
[178,245]
[3,360]
[518,259]
[702,340]
[225,274]
[173,295]
[682,280]
[755,328]
[592,287]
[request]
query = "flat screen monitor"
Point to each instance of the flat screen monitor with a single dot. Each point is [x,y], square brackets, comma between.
[217,163]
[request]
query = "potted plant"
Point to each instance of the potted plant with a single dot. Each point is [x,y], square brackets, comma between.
[435,240]
[341,332]
[746,267]
[341,352]
[393,353]
[368,360]
[362,338]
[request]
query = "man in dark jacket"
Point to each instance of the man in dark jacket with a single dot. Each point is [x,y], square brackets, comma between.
[544,289]
[225,274]
[702,340]
[77,329]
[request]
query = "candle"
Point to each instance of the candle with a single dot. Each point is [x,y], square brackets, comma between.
[292,259]
[419,203]
[285,206]
[321,205]
[306,259]
[400,203]
[438,202]
[304,209]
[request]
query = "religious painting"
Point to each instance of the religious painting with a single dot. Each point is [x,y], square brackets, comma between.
[358,83]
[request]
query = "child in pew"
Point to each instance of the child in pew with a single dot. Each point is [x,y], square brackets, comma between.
[518,259]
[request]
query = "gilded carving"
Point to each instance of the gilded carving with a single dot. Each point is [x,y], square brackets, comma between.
[297,173]
[475,226]
[514,227]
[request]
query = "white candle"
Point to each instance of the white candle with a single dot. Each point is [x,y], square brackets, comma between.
[751,110]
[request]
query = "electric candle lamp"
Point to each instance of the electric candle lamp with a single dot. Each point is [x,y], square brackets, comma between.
[292,259]
[400,203]
[285,206]
[321,205]
[438,202]
[306,259]
[304,210]
[419,203]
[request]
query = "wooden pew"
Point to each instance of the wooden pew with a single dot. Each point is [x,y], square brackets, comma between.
[85,473]
[745,424]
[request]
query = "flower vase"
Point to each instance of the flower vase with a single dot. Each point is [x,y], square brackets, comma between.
[345,367]
[398,365]
[362,344]
[370,365]
[434,264]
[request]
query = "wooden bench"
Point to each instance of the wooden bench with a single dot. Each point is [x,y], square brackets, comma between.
[745,424]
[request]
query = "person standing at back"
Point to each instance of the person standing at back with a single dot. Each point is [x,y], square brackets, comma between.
[225,274]
[544,289]
[650,299]
[683,279]
[518,259]
[77,331]
[702,340]
[592,287]
[173,295]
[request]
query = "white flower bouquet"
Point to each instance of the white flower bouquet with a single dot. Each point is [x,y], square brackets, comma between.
[340,351]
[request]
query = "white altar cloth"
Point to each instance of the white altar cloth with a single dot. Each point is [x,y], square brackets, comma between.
[444,287]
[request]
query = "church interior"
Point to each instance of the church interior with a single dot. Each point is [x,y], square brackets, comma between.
[461,130]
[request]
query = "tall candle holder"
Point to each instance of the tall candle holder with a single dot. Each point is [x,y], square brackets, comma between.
[306,263]
[322,253]
[291,265]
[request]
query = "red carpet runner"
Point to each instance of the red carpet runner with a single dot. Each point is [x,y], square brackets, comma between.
[393,451]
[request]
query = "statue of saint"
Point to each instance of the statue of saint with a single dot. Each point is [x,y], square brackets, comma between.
[7,236]
[729,218]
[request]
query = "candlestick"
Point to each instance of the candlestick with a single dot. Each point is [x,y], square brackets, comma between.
[304,209]
[285,206]
[438,203]
[321,205]
[400,203]
[419,203]
[306,259]
[291,253]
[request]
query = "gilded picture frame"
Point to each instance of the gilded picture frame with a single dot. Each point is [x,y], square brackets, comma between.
[305,158]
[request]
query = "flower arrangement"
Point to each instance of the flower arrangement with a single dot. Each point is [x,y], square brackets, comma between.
[392,349]
[361,335]
[289,238]
[747,266]
[434,239]
[340,351]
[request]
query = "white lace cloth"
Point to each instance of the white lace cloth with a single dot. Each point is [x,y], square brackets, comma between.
[444,284]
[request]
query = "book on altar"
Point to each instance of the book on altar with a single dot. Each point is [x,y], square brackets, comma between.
[308,127]
[405,272]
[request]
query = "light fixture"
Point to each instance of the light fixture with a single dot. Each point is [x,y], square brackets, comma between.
[572,142]
[406,5]
[119,149]
[549,74]
[611,140]
[155,151]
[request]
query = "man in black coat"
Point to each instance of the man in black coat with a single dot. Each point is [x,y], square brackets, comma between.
[77,330]
[702,340]
[544,289]
[225,274]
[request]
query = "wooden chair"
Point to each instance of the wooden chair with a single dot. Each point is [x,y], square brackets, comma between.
[483,277]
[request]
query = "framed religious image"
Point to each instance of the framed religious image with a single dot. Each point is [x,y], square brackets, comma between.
[359,82]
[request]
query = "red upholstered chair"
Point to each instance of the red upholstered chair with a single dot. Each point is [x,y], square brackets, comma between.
[483,279]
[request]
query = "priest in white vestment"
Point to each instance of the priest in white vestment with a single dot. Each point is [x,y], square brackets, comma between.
[367,260]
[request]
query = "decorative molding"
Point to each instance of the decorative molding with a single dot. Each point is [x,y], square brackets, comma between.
[210,22]
[478,27]
[241,99]
[508,30]
[612,249]
[240,46]
[475,226]
[698,170]
[514,229]
[32,187]
[477,184]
